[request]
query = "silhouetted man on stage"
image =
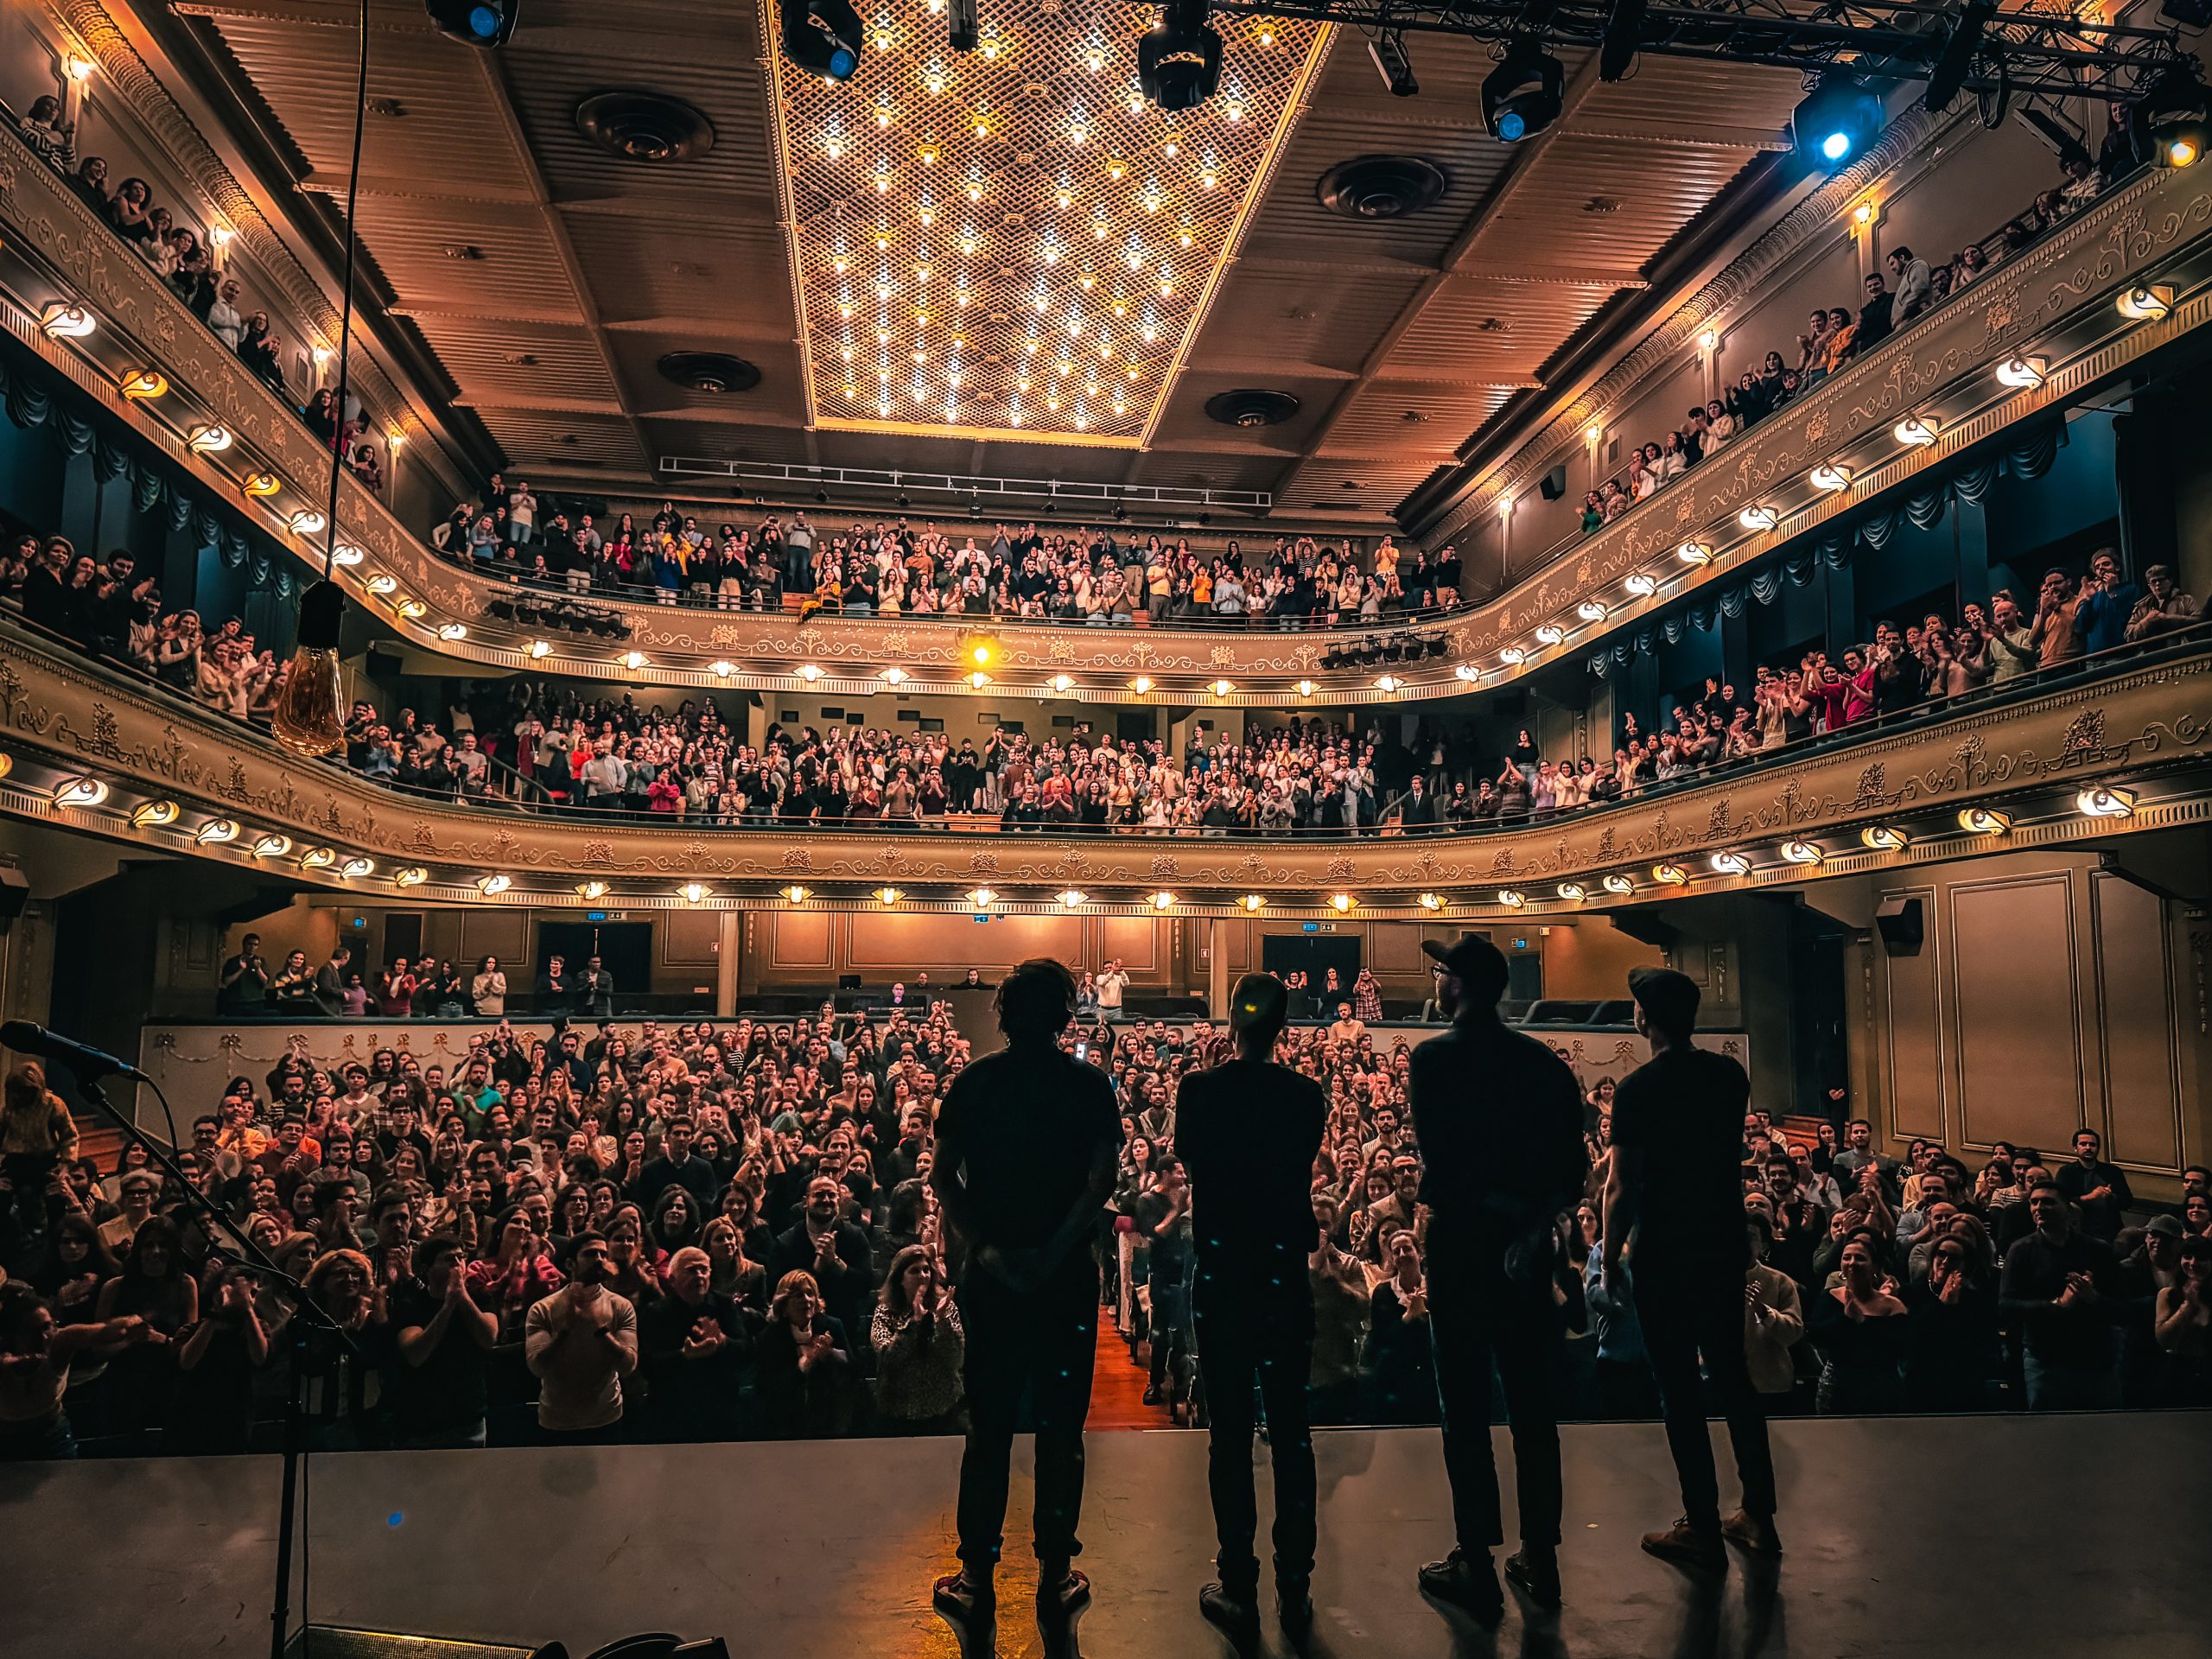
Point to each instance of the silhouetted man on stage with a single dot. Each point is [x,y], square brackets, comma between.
[1676,1179]
[1248,1131]
[1027,1142]
[1499,1120]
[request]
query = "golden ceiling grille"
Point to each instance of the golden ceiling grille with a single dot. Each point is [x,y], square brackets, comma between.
[1013,240]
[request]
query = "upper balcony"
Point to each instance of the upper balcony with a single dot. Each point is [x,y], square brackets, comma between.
[2050,310]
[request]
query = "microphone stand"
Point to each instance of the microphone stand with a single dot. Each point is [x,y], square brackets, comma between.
[309,1321]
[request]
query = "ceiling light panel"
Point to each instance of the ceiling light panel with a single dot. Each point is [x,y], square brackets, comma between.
[986,243]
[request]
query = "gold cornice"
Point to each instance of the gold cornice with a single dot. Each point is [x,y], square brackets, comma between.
[2152,727]
[2055,298]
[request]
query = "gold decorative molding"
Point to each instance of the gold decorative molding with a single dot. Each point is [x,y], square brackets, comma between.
[2151,726]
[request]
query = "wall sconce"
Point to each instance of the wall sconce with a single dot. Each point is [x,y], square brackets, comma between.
[1512,899]
[693,892]
[1672,875]
[1431,901]
[2102,801]
[492,886]
[1730,864]
[1590,610]
[209,440]
[1573,891]
[1829,476]
[2024,373]
[1341,903]
[79,792]
[1883,839]
[1697,553]
[796,895]
[981,897]
[146,382]
[1758,518]
[2146,304]
[1071,896]
[1802,852]
[64,320]
[413,876]
[1642,585]
[1252,903]
[1619,886]
[1163,900]
[1915,429]
[1982,821]
[1512,656]
[1550,634]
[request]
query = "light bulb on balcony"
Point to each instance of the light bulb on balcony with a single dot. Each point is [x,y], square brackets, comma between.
[209,440]
[1388,684]
[1430,901]
[381,584]
[1063,684]
[1550,634]
[978,680]
[413,876]
[310,714]
[1341,903]
[1252,903]
[634,660]
[1590,610]
[1222,688]
[155,813]
[1141,684]
[346,554]
[215,832]
[1071,896]
[492,886]
[357,866]
[1512,656]
[272,846]
[1830,476]
[1511,898]
[1917,430]
[1695,553]
[1982,821]
[1883,839]
[306,522]
[694,892]
[796,895]
[2023,373]
[2105,801]
[810,672]
[1732,864]
[1306,687]
[591,890]
[1671,876]
[981,897]
[146,382]
[1642,585]
[1467,672]
[79,792]
[1758,518]
[540,649]
[1163,899]
[889,895]
[315,858]
[452,632]
[64,320]
[1573,891]
[1802,852]
[1619,886]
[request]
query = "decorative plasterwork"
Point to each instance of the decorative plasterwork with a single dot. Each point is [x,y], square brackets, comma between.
[2147,726]
[125,75]
[2056,296]
[1014,241]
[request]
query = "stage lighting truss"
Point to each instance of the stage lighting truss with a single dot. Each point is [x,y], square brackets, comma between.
[1015,240]
[2055,52]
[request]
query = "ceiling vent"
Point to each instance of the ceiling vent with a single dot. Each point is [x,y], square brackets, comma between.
[649,127]
[715,371]
[1251,408]
[1381,187]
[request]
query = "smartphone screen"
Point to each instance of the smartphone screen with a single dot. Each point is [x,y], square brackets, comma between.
[1083,1051]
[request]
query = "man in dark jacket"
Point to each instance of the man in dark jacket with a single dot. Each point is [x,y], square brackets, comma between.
[1499,1120]
[1247,1131]
[831,1248]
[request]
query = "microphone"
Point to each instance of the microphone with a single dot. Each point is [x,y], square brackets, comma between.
[87,1063]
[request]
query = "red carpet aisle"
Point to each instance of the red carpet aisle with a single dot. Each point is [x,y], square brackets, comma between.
[1117,1384]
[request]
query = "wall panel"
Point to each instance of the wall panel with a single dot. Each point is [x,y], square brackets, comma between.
[2139,1056]
[2016,998]
[689,938]
[1916,1047]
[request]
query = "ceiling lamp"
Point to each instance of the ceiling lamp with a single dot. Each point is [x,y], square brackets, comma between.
[357,866]
[1253,903]
[1550,634]
[2146,304]
[1670,875]
[1512,899]
[79,792]
[492,886]
[272,846]
[2024,373]
[1178,58]
[146,382]
[981,897]
[154,814]
[889,895]
[1590,610]
[66,322]
[1431,901]
[796,895]
[1388,682]
[1915,429]
[413,876]
[540,649]
[1758,518]
[1512,656]
[590,891]
[1982,821]
[2105,801]
[1071,896]
[1619,886]
[1163,899]
[453,633]
[1222,688]
[1830,476]
[1141,684]
[209,440]
[1643,584]
[215,832]
[306,522]
[694,892]
[1695,553]
[1341,903]
[1882,838]
[822,37]
[1732,864]
[1573,891]
[1802,852]
[810,672]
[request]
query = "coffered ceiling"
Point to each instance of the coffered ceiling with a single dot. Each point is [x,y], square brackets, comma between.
[553,278]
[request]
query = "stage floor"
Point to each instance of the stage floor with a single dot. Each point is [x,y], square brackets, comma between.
[2067,1535]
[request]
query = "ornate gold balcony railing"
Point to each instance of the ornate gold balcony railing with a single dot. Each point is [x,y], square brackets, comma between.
[2052,307]
[87,746]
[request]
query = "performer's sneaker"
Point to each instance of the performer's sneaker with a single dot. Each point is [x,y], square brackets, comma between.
[1688,1546]
[1537,1572]
[1465,1581]
[964,1600]
[1234,1613]
[1295,1608]
[1753,1532]
[1062,1592]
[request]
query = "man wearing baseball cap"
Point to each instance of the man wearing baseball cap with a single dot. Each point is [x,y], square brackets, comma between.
[1677,1181]
[1499,1119]
[1247,1131]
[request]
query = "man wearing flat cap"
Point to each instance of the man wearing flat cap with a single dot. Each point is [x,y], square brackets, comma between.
[1677,1182]
[1499,1120]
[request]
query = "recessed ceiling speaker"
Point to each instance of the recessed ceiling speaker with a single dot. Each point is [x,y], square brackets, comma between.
[649,127]
[1381,187]
[715,371]
[1252,407]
